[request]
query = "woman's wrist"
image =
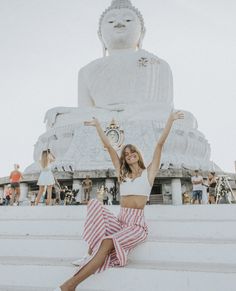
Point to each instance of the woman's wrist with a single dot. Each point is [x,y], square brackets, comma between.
[171,118]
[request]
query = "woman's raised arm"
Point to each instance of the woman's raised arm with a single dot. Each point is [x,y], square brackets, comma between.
[113,154]
[155,164]
[51,157]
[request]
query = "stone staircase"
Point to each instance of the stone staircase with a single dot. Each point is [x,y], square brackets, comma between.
[156,199]
[190,248]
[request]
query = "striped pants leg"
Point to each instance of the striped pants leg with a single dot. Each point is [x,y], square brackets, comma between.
[127,232]
[100,223]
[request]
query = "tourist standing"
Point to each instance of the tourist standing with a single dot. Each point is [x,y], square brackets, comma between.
[197,182]
[7,194]
[109,197]
[46,179]
[87,185]
[1,198]
[212,181]
[54,196]
[62,195]
[105,196]
[15,178]
[32,199]
[101,194]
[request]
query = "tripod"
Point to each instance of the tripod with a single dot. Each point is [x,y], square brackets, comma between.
[224,193]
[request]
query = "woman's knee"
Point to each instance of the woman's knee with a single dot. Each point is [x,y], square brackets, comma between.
[107,246]
[41,188]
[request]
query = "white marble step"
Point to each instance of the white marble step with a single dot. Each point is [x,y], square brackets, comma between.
[165,265]
[175,250]
[161,276]
[159,212]
[195,246]
[33,288]
[161,228]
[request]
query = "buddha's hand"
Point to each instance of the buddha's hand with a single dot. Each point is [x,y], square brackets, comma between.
[93,122]
[176,115]
[51,115]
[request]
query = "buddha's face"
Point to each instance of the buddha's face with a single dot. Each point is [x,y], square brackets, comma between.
[120,29]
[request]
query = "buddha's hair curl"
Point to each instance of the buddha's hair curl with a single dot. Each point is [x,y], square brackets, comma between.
[119,4]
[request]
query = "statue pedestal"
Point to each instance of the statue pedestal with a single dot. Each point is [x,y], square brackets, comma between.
[78,147]
[24,188]
[176,192]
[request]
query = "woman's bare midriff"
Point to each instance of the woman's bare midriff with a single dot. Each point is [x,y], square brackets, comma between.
[133,201]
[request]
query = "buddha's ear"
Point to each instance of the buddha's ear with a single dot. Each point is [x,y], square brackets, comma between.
[142,35]
[104,49]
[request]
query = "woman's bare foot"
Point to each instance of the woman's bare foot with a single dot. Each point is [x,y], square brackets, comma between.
[66,288]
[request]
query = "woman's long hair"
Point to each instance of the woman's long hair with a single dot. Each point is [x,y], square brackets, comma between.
[124,167]
[44,159]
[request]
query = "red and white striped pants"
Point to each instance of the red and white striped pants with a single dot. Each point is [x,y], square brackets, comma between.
[127,231]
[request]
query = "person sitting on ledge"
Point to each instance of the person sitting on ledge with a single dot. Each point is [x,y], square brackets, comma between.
[111,238]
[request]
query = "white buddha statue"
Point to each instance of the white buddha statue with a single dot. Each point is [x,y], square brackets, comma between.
[132,86]
[126,77]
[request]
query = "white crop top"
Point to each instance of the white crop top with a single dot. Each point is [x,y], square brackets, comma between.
[138,186]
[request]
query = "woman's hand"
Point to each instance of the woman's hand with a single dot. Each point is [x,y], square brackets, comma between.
[176,115]
[93,122]
[155,164]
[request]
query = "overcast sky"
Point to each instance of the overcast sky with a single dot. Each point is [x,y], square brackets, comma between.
[43,44]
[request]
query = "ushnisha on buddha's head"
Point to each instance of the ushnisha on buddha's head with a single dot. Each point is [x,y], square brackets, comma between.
[121,26]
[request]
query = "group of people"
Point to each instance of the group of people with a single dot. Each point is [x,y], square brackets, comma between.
[204,191]
[45,182]
[104,195]
[47,187]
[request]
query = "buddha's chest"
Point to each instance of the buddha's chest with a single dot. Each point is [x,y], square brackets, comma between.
[123,79]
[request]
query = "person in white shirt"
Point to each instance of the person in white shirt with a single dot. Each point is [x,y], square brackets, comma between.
[197,182]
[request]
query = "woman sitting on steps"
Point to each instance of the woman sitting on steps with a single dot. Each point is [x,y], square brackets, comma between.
[111,238]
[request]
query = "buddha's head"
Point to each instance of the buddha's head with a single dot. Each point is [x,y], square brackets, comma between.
[121,26]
